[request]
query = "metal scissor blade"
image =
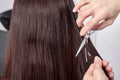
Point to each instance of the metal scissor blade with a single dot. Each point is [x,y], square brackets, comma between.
[84,42]
[81,46]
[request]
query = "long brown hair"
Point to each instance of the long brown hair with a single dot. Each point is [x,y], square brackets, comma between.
[43,41]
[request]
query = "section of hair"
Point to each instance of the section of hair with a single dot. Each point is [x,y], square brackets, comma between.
[43,41]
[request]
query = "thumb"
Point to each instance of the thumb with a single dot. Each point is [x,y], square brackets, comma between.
[90,70]
[98,71]
[89,73]
[98,63]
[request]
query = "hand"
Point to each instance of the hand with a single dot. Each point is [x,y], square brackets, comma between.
[103,13]
[95,71]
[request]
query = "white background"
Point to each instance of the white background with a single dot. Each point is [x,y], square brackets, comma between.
[107,41]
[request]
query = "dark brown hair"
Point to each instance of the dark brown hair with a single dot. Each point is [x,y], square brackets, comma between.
[43,41]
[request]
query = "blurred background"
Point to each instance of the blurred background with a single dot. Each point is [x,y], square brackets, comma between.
[106,41]
[4,6]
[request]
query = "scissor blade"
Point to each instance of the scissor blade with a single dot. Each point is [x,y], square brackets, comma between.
[81,46]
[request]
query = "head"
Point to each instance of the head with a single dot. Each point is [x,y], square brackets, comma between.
[43,41]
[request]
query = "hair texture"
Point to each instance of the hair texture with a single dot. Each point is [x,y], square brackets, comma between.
[43,41]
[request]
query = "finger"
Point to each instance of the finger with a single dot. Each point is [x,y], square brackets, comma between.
[110,72]
[108,69]
[98,66]
[82,16]
[85,7]
[111,75]
[90,70]
[97,62]
[105,24]
[105,63]
[98,71]
[90,25]
[77,7]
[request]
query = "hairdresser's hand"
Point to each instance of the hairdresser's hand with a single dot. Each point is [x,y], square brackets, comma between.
[104,11]
[95,71]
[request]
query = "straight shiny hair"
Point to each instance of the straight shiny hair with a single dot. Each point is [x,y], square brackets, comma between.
[43,41]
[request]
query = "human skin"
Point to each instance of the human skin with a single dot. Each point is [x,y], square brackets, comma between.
[103,13]
[95,71]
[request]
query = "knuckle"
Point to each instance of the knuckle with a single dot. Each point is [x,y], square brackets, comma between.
[110,22]
[82,9]
[90,24]
[78,22]
[104,14]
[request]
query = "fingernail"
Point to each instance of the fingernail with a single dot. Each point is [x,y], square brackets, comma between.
[81,34]
[73,10]
[79,25]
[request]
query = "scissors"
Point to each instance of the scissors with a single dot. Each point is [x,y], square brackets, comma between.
[85,40]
